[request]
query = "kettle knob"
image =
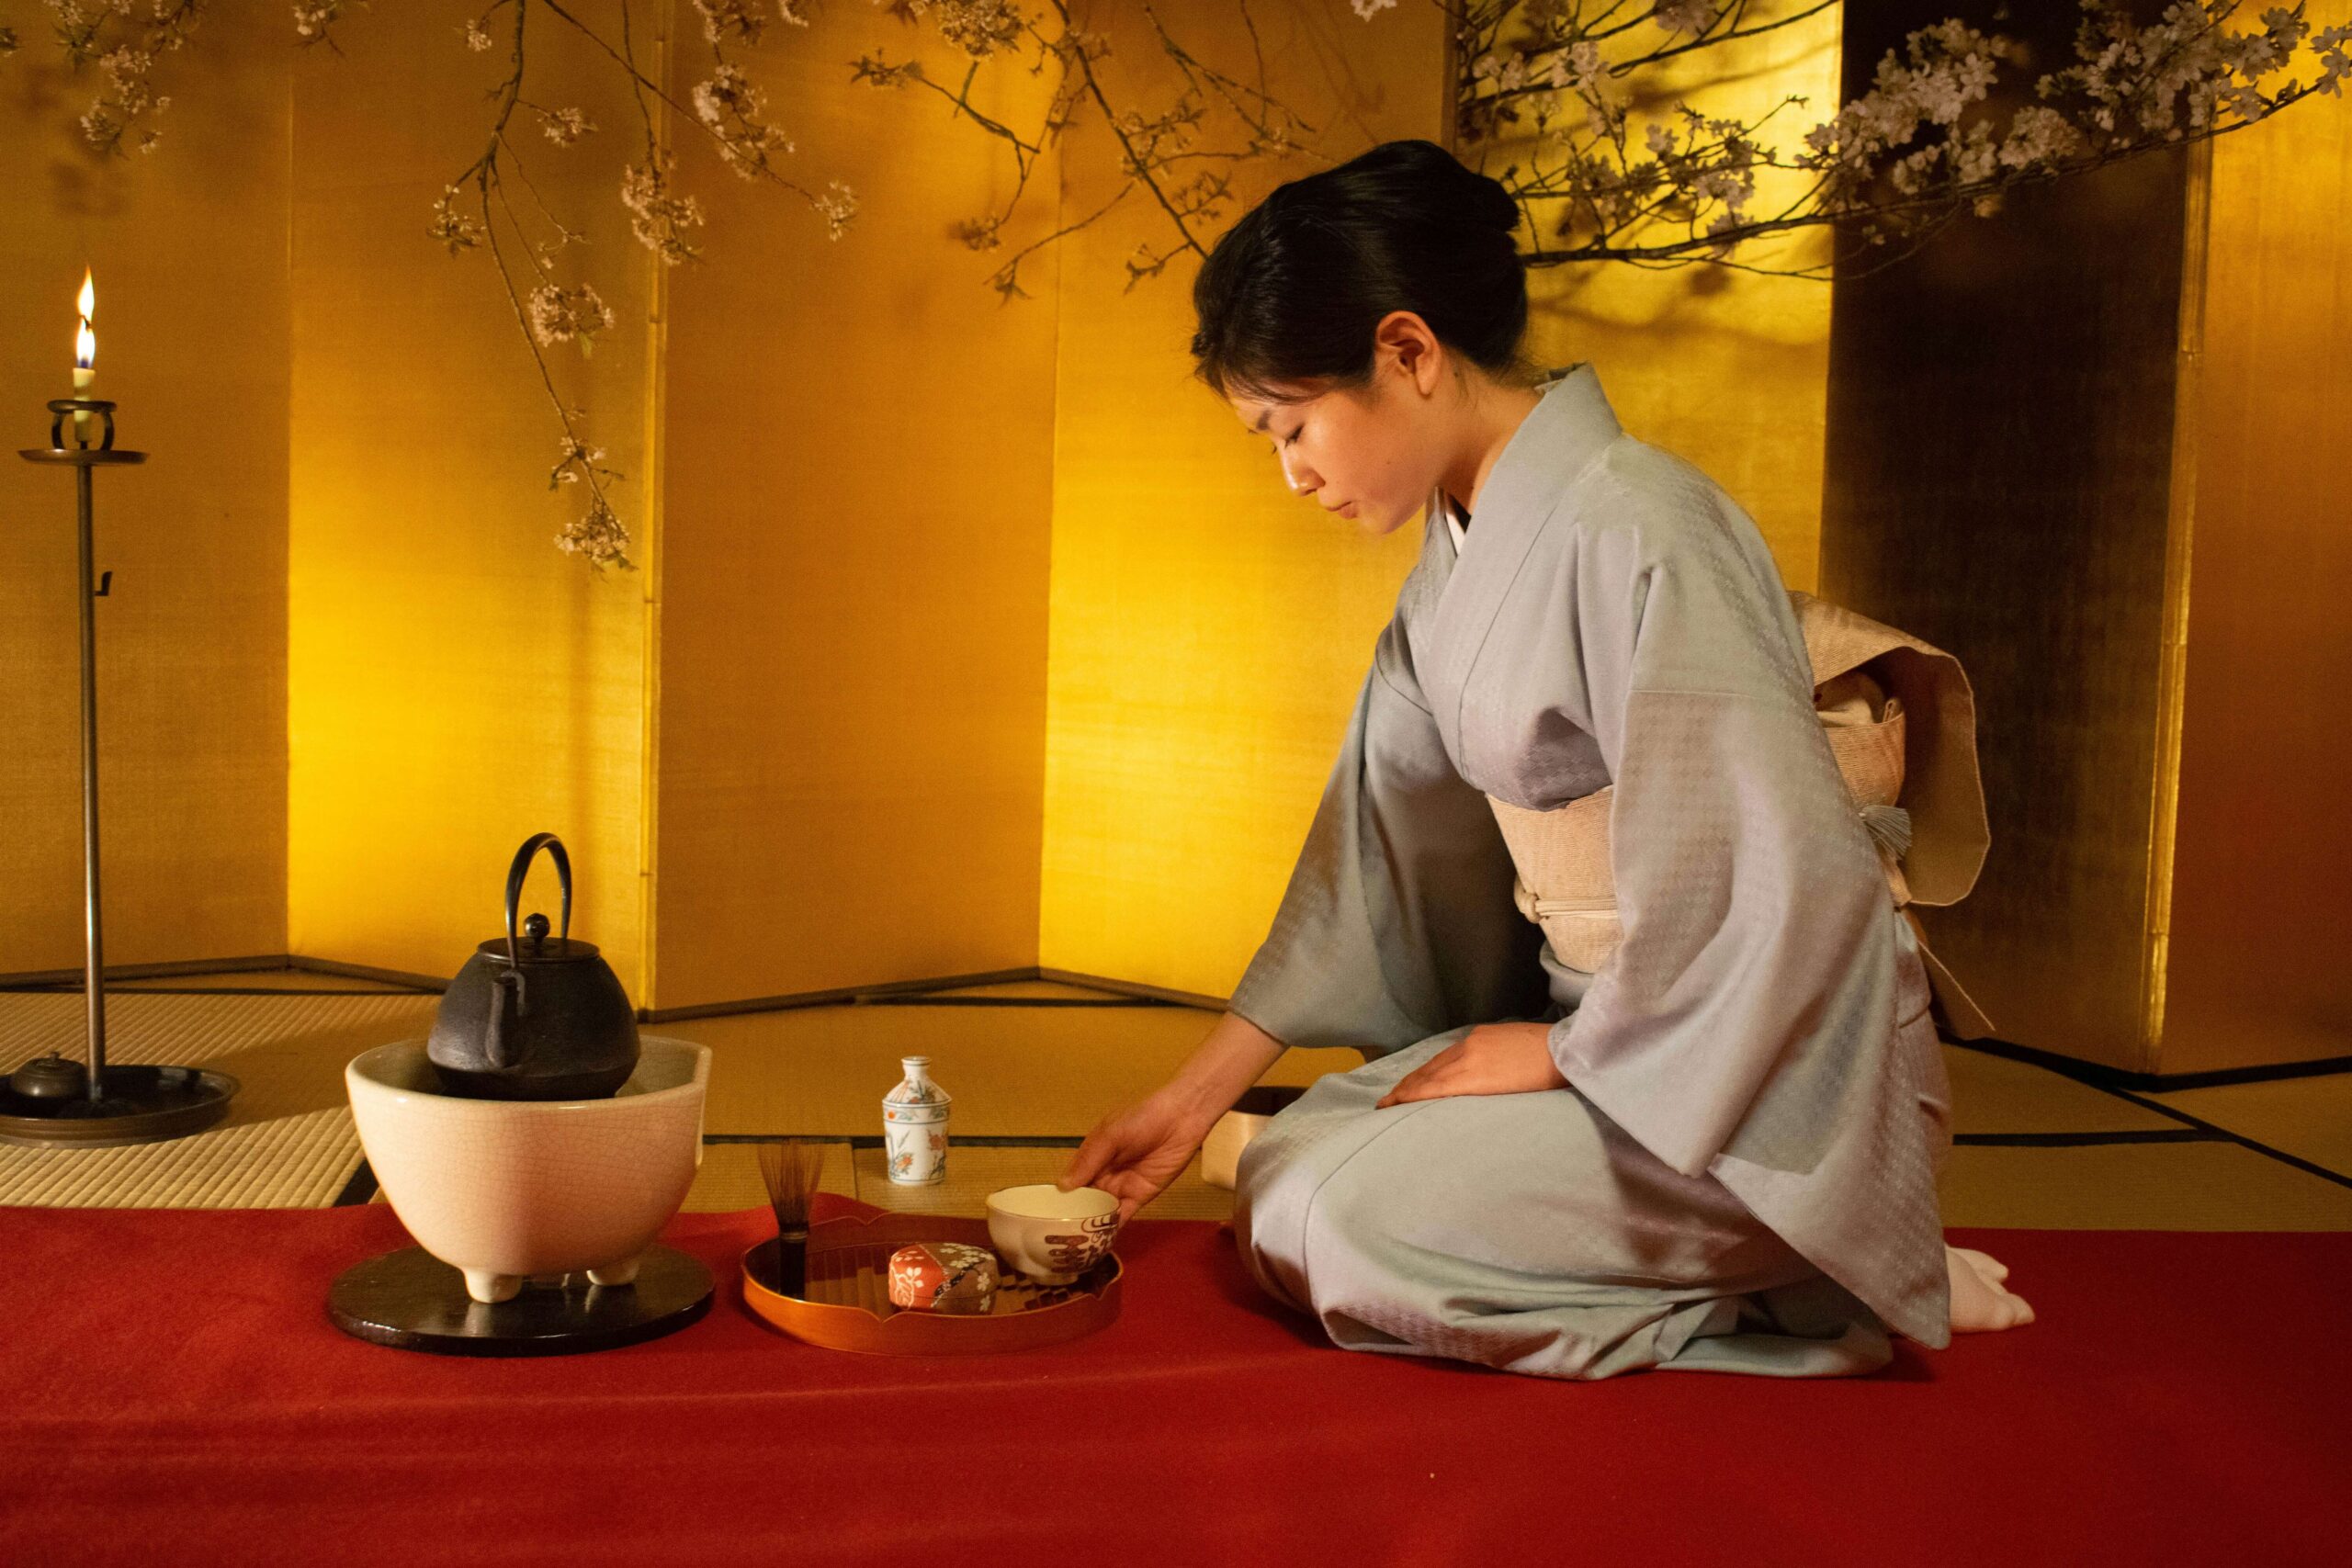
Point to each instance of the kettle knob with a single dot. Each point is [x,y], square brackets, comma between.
[535,928]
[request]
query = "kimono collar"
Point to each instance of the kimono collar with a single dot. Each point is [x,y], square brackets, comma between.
[1564,431]
[1561,436]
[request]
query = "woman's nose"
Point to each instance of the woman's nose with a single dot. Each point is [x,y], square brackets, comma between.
[1301,479]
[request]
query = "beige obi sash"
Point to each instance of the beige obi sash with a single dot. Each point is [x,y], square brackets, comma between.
[1901,723]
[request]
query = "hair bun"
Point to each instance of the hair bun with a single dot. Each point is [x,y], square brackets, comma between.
[1458,193]
[1492,203]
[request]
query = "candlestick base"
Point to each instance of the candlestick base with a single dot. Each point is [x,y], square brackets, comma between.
[140,1104]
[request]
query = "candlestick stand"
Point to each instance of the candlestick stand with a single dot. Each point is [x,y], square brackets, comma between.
[52,1100]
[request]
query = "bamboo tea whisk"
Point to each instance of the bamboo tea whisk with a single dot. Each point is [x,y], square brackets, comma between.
[790,1168]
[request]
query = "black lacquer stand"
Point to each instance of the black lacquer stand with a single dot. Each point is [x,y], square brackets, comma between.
[54,1099]
[413,1301]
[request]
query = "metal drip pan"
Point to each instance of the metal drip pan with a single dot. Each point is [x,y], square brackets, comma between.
[141,1105]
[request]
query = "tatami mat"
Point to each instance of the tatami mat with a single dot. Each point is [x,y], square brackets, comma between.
[142,1027]
[1056,1072]
[2169,1186]
[287,1139]
[296,1161]
[1010,1072]
[1993,1094]
[730,1177]
[1052,1072]
[975,1171]
[729,1180]
[2311,1118]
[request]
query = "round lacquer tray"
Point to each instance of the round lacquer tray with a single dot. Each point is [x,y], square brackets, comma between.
[848,1305]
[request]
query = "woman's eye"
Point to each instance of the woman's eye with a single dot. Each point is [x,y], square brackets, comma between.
[1293,435]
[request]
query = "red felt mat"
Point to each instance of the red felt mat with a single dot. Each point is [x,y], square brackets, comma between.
[174,1392]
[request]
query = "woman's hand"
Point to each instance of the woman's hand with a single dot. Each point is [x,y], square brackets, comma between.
[1494,1059]
[1134,1153]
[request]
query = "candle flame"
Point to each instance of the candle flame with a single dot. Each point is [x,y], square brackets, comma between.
[86,340]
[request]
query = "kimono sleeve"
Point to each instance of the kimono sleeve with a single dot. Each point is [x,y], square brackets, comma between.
[1397,922]
[1756,945]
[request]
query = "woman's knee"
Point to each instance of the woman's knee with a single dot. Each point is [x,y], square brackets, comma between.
[1324,1185]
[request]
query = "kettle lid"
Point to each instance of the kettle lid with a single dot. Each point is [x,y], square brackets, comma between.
[535,946]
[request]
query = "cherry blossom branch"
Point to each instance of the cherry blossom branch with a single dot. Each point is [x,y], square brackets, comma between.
[1922,145]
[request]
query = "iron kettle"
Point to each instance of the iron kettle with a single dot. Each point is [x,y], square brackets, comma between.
[534,1019]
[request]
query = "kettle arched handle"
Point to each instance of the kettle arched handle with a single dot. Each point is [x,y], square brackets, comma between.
[515,875]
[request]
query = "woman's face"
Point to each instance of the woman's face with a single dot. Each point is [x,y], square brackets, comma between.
[1368,454]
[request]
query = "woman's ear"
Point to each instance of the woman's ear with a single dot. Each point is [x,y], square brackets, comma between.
[1403,340]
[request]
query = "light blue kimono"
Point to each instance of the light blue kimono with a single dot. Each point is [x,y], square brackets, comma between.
[1741,1174]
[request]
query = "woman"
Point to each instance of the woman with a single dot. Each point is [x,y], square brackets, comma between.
[1718,1147]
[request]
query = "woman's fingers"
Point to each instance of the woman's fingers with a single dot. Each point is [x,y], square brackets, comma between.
[1131,1188]
[1415,1084]
[1132,1156]
[1424,1082]
[1087,1163]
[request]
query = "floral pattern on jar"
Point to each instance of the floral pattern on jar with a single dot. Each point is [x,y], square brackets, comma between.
[914,1127]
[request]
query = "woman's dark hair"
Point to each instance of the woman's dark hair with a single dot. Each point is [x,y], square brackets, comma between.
[1291,294]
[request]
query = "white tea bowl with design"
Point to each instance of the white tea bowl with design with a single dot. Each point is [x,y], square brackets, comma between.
[1051,1235]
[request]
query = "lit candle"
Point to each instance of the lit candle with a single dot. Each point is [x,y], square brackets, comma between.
[86,353]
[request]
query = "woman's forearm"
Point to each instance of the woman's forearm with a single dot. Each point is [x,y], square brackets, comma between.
[1235,1056]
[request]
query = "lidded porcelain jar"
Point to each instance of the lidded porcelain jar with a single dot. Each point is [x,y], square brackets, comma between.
[914,1126]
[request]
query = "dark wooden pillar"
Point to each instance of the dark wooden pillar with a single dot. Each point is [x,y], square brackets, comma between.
[1999,481]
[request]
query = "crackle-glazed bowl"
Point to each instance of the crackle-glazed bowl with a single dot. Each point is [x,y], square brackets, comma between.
[507,1190]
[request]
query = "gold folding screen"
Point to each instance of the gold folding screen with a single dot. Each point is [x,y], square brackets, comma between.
[455,684]
[189,249]
[1210,631]
[973,636]
[969,635]
[2088,446]
[858,469]
[2262,854]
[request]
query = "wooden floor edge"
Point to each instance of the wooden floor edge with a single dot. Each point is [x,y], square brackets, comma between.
[1133,989]
[153,971]
[367,972]
[827,996]
[836,995]
[2100,1074]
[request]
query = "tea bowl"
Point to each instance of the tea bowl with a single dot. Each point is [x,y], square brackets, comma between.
[1051,1235]
[508,1189]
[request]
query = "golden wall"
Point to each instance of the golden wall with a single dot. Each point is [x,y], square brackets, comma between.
[188,247]
[858,478]
[2085,446]
[455,682]
[1209,631]
[1729,368]
[2262,854]
[969,635]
